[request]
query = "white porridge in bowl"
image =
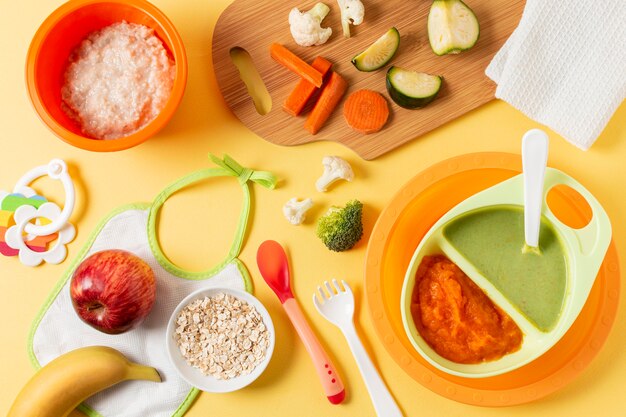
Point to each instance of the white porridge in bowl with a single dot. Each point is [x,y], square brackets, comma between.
[118,80]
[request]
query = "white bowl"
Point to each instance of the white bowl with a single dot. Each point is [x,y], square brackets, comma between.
[207,382]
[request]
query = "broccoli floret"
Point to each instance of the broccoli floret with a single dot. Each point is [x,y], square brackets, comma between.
[341,227]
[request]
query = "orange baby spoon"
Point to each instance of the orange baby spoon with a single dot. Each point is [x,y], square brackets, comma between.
[274,268]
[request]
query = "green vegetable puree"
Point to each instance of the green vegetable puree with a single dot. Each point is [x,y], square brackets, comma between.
[492,239]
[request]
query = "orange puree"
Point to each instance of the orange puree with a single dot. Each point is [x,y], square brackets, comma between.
[456,318]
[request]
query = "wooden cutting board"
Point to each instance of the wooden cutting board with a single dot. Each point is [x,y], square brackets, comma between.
[255,24]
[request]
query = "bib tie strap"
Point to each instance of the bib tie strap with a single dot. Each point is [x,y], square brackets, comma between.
[228,167]
[263,178]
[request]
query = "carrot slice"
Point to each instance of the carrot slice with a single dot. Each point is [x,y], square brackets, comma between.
[366,111]
[330,96]
[288,59]
[304,89]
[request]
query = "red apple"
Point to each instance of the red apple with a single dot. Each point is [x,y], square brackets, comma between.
[113,290]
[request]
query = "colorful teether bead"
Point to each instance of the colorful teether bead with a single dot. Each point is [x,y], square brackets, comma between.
[14,237]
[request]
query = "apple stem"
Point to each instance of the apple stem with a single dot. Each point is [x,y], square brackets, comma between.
[95,306]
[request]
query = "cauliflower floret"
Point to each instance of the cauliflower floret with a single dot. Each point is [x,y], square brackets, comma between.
[295,211]
[306,27]
[352,12]
[335,169]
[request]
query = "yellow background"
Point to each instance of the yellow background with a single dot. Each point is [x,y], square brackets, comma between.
[202,124]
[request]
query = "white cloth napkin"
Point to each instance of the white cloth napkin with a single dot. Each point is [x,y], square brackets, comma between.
[565,65]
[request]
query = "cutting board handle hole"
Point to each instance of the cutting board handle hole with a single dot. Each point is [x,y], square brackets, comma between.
[252,79]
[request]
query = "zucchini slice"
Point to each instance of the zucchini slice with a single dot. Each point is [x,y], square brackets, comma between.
[412,89]
[378,53]
[452,27]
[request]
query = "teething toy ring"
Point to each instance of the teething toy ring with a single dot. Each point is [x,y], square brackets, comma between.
[57,170]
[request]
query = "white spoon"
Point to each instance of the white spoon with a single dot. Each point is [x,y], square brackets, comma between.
[534,160]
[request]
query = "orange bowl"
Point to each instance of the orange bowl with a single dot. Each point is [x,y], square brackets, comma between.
[61,32]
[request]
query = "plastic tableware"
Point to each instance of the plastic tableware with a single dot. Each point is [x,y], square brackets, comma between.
[62,31]
[534,160]
[338,307]
[274,268]
[193,375]
[413,209]
[585,249]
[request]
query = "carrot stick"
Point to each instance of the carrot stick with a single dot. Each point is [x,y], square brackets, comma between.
[304,89]
[286,58]
[366,111]
[331,94]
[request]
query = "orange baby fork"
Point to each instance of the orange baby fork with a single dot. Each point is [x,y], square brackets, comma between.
[274,268]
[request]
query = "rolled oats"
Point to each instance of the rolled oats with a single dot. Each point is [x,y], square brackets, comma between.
[222,336]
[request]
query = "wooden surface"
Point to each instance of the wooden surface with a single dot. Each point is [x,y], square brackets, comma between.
[253,25]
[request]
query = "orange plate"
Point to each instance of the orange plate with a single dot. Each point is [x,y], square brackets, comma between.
[398,231]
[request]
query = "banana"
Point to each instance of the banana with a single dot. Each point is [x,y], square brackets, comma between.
[60,386]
